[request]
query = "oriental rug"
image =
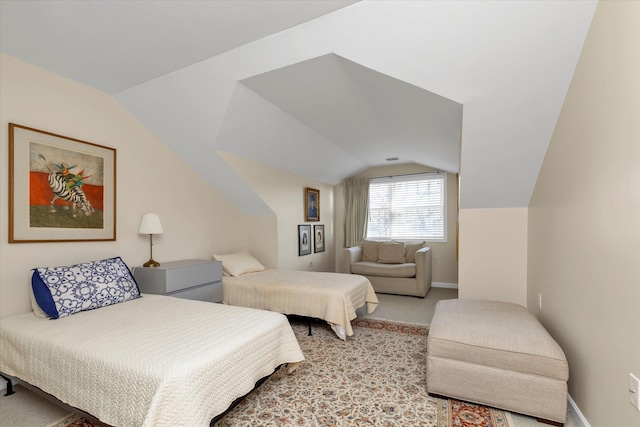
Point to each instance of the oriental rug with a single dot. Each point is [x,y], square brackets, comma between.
[377,377]
[72,420]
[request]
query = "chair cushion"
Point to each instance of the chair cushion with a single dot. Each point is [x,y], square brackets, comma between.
[496,334]
[384,270]
[370,250]
[410,250]
[391,253]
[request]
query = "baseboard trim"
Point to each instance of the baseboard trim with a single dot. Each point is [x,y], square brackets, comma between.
[577,415]
[444,285]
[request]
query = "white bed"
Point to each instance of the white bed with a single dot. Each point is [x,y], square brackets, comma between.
[152,361]
[334,297]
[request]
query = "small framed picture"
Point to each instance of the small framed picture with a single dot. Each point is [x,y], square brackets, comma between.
[304,240]
[311,204]
[318,238]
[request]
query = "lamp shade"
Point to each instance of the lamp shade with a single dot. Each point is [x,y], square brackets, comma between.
[150,224]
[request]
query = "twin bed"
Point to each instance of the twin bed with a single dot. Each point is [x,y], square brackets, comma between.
[151,361]
[333,297]
[132,360]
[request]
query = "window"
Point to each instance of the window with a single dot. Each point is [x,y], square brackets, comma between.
[408,207]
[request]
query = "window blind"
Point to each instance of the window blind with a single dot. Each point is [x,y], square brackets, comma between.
[408,207]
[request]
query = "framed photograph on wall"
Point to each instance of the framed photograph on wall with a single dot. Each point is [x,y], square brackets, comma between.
[311,204]
[304,240]
[318,238]
[60,189]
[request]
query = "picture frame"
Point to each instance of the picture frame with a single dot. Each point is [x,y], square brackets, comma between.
[304,240]
[61,189]
[311,204]
[318,238]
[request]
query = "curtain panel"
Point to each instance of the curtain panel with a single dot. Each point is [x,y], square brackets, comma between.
[356,202]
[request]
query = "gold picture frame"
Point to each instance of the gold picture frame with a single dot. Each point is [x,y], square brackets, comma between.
[311,204]
[61,189]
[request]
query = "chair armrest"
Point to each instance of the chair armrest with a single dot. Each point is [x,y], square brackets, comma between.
[423,270]
[349,256]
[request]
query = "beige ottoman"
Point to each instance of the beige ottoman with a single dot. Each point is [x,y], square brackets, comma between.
[496,354]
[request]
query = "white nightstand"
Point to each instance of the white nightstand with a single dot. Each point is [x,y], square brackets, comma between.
[191,279]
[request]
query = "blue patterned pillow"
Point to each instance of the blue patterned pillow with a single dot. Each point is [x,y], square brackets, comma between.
[63,291]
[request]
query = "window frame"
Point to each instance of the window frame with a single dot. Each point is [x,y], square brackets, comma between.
[408,178]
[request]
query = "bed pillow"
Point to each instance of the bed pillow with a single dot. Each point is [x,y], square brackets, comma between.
[66,290]
[410,250]
[391,253]
[239,263]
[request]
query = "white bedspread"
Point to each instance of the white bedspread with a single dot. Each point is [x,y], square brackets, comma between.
[154,361]
[334,297]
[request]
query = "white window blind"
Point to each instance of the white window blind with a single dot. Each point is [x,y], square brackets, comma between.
[408,207]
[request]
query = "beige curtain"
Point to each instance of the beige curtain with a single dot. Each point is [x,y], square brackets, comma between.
[356,202]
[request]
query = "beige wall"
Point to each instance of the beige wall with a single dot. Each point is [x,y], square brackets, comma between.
[197,220]
[493,254]
[584,221]
[445,267]
[284,193]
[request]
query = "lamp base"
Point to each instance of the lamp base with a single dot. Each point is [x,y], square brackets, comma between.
[151,263]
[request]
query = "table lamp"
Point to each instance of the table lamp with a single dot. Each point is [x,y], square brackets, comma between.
[150,225]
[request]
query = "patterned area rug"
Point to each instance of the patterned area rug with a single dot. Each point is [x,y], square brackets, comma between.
[452,413]
[72,420]
[375,378]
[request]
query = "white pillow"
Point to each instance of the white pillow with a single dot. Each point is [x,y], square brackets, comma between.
[35,307]
[239,263]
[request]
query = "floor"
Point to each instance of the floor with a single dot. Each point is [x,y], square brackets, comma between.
[27,409]
[406,309]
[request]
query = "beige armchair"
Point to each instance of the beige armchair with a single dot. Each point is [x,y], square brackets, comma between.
[391,267]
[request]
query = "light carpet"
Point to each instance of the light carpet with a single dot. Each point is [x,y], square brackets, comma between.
[408,310]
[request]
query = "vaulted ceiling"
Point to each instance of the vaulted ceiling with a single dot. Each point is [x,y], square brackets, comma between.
[325,88]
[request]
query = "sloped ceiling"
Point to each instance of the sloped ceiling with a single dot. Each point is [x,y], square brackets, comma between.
[115,45]
[335,94]
[355,117]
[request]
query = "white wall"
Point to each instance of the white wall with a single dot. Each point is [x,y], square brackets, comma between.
[493,254]
[284,193]
[584,221]
[197,220]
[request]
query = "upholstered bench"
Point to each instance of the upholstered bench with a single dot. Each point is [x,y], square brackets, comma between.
[496,354]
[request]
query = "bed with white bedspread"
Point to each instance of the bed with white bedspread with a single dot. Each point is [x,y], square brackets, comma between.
[334,297]
[151,361]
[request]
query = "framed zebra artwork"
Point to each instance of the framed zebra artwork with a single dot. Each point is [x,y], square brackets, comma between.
[61,189]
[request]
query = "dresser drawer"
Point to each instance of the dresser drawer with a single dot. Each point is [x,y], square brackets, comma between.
[211,292]
[192,279]
[188,276]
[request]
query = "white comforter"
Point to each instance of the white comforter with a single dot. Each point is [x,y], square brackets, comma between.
[333,297]
[154,361]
